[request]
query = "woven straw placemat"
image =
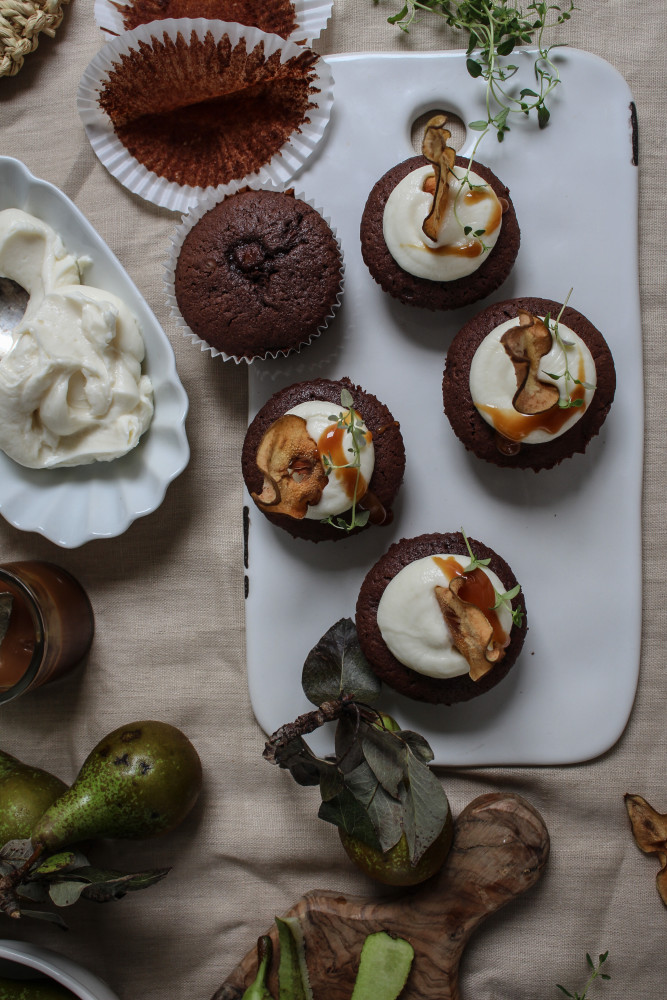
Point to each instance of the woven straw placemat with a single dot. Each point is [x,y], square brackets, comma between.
[21,22]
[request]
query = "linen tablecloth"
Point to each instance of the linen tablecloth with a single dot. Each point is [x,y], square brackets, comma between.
[168,600]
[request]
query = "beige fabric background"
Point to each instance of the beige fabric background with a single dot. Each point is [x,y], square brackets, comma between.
[168,597]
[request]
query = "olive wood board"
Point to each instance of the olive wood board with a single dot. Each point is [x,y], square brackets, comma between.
[500,848]
[571,534]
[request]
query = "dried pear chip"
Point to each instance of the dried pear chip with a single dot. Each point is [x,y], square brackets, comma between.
[649,828]
[442,156]
[294,476]
[526,345]
[471,631]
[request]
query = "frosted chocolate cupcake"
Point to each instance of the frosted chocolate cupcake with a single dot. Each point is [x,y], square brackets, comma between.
[259,274]
[427,621]
[323,459]
[524,391]
[437,233]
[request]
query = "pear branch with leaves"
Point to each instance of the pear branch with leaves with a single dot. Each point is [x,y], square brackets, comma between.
[377,788]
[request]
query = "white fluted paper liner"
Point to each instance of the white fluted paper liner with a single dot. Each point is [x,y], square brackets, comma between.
[312,17]
[190,220]
[132,174]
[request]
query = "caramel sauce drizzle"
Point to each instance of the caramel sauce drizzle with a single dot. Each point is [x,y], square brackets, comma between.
[477,590]
[516,426]
[330,443]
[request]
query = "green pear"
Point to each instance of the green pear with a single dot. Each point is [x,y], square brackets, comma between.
[33,989]
[25,793]
[139,781]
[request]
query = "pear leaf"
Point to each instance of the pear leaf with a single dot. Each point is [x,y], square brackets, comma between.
[17,850]
[336,666]
[37,892]
[62,862]
[66,893]
[385,753]
[47,915]
[297,757]
[419,746]
[6,602]
[331,783]
[104,886]
[425,808]
[347,813]
[383,810]
[347,743]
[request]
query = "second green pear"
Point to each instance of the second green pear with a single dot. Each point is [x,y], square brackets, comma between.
[139,781]
[25,793]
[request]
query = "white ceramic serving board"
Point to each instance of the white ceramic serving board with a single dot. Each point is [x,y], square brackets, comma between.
[572,534]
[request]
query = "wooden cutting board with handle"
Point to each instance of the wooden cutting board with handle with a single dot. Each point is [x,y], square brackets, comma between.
[500,848]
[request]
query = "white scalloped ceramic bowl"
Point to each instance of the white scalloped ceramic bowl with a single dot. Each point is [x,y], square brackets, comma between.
[73,506]
[17,957]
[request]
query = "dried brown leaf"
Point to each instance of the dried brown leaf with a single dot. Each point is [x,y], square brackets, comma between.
[649,828]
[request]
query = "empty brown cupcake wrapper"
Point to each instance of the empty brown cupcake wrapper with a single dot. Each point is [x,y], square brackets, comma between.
[311,16]
[279,168]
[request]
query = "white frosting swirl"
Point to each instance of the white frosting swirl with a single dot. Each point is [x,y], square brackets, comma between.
[71,387]
[456,253]
[493,384]
[412,624]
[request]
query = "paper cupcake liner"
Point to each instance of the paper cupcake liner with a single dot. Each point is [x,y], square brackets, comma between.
[312,17]
[132,174]
[190,220]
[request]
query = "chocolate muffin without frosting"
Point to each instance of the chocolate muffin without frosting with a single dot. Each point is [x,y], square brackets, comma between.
[417,291]
[480,437]
[259,273]
[445,691]
[387,440]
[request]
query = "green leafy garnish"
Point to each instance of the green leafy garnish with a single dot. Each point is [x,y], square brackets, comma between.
[474,563]
[595,973]
[506,598]
[552,325]
[494,28]
[501,598]
[351,422]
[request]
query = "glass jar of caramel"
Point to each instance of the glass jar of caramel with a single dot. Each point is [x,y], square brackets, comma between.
[46,625]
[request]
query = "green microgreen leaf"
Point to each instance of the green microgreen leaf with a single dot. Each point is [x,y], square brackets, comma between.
[351,422]
[474,563]
[595,973]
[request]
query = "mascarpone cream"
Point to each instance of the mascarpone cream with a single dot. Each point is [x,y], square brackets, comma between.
[321,418]
[456,253]
[493,385]
[71,387]
[412,624]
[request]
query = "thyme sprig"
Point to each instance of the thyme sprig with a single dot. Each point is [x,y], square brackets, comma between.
[349,421]
[494,29]
[504,598]
[552,325]
[595,973]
